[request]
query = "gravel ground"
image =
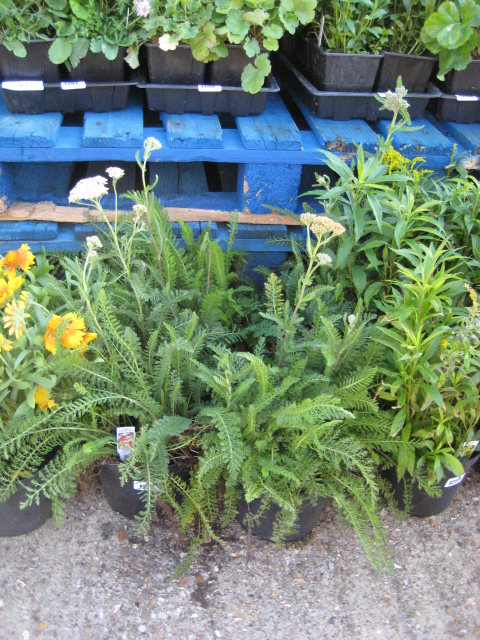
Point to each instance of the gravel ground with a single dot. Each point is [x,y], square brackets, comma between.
[95,580]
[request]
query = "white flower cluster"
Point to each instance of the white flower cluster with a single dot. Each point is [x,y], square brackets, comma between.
[395,101]
[139,210]
[308,218]
[324,225]
[351,319]
[323,258]
[115,173]
[143,8]
[152,144]
[93,243]
[89,189]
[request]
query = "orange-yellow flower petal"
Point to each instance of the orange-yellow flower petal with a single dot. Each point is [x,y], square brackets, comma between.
[42,398]
[21,258]
[15,318]
[5,344]
[72,335]
[89,337]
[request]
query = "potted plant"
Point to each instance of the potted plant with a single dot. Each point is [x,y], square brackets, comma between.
[431,379]
[404,51]
[452,32]
[345,42]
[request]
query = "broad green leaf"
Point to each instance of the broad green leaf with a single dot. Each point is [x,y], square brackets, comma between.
[344,253]
[398,421]
[253,77]
[359,278]
[454,464]
[56,5]
[303,9]
[110,51]
[17,47]
[252,48]
[371,291]
[256,17]
[470,11]
[79,51]
[60,50]
[80,11]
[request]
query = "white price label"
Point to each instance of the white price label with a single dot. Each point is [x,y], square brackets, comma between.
[139,486]
[467,98]
[68,86]
[23,85]
[453,481]
[209,88]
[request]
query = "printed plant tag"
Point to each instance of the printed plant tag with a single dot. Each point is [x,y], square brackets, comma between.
[453,481]
[468,448]
[209,88]
[139,486]
[125,441]
[467,98]
[23,85]
[68,86]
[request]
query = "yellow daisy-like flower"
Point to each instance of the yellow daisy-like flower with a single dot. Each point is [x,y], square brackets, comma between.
[15,318]
[5,344]
[72,336]
[9,286]
[42,398]
[21,258]
[88,337]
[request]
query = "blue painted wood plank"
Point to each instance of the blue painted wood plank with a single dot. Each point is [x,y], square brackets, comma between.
[426,141]
[467,135]
[193,131]
[213,228]
[64,241]
[274,129]
[268,184]
[20,130]
[260,231]
[115,129]
[26,230]
[7,186]
[179,178]
[41,181]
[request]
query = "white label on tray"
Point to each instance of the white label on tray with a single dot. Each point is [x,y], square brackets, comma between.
[467,449]
[467,98]
[382,94]
[209,88]
[23,85]
[68,86]
[453,481]
[125,441]
[139,486]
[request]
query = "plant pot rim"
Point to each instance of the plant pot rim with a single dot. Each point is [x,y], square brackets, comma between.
[341,53]
[421,56]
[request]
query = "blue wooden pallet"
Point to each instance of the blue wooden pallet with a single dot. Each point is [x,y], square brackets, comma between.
[260,158]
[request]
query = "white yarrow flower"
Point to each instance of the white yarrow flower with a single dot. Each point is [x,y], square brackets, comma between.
[94,242]
[143,8]
[115,173]
[165,44]
[152,144]
[89,189]
[351,319]
[324,258]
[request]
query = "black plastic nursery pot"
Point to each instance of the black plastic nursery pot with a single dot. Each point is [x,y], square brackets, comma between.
[463,109]
[423,505]
[306,520]
[95,67]
[127,499]
[17,522]
[35,66]
[352,72]
[414,70]
[465,83]
[227,72]
[174,67]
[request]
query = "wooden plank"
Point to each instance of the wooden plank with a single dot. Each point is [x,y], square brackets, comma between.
[21,130]
[115,129]
[426,141]
[193,131]
[274,129]
[28,230]
[49,212]
[42,180]
[467,134]
[179,178]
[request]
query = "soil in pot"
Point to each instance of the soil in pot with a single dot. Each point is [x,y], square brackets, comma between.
[227,72]
[95,67]
[174,67]
[35,66]
[422,505]
[414,70]
[306,520]
[463,83]
[15,521]
[354,72]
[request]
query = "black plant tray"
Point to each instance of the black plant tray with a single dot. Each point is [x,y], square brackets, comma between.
[336,105]
[66,97]
[456,108]
[208,99]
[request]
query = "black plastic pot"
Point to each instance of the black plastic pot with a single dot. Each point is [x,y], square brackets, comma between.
[423,505]
[15,521]
[464,83]
[414,70]
[208,99]
[456,108]
[227,72]
[35,66]
[95,67]
[126,500]
[352,72]
[306,520]
[174,67]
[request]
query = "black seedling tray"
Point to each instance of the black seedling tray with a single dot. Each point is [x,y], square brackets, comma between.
[336,105]
[456,108]
[66,97]
[208,99]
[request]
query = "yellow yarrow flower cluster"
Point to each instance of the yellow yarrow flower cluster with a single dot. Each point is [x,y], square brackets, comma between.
[73,336]
[399,164]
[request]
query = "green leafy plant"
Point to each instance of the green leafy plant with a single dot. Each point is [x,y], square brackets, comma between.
[452,31]
[405,21]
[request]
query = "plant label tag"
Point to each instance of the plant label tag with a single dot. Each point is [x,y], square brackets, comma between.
[382,94]
[23,85]
[209,88]
[453,481]
[467,98]
[139,486]
[68,86]
[125,441]
[468,448]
